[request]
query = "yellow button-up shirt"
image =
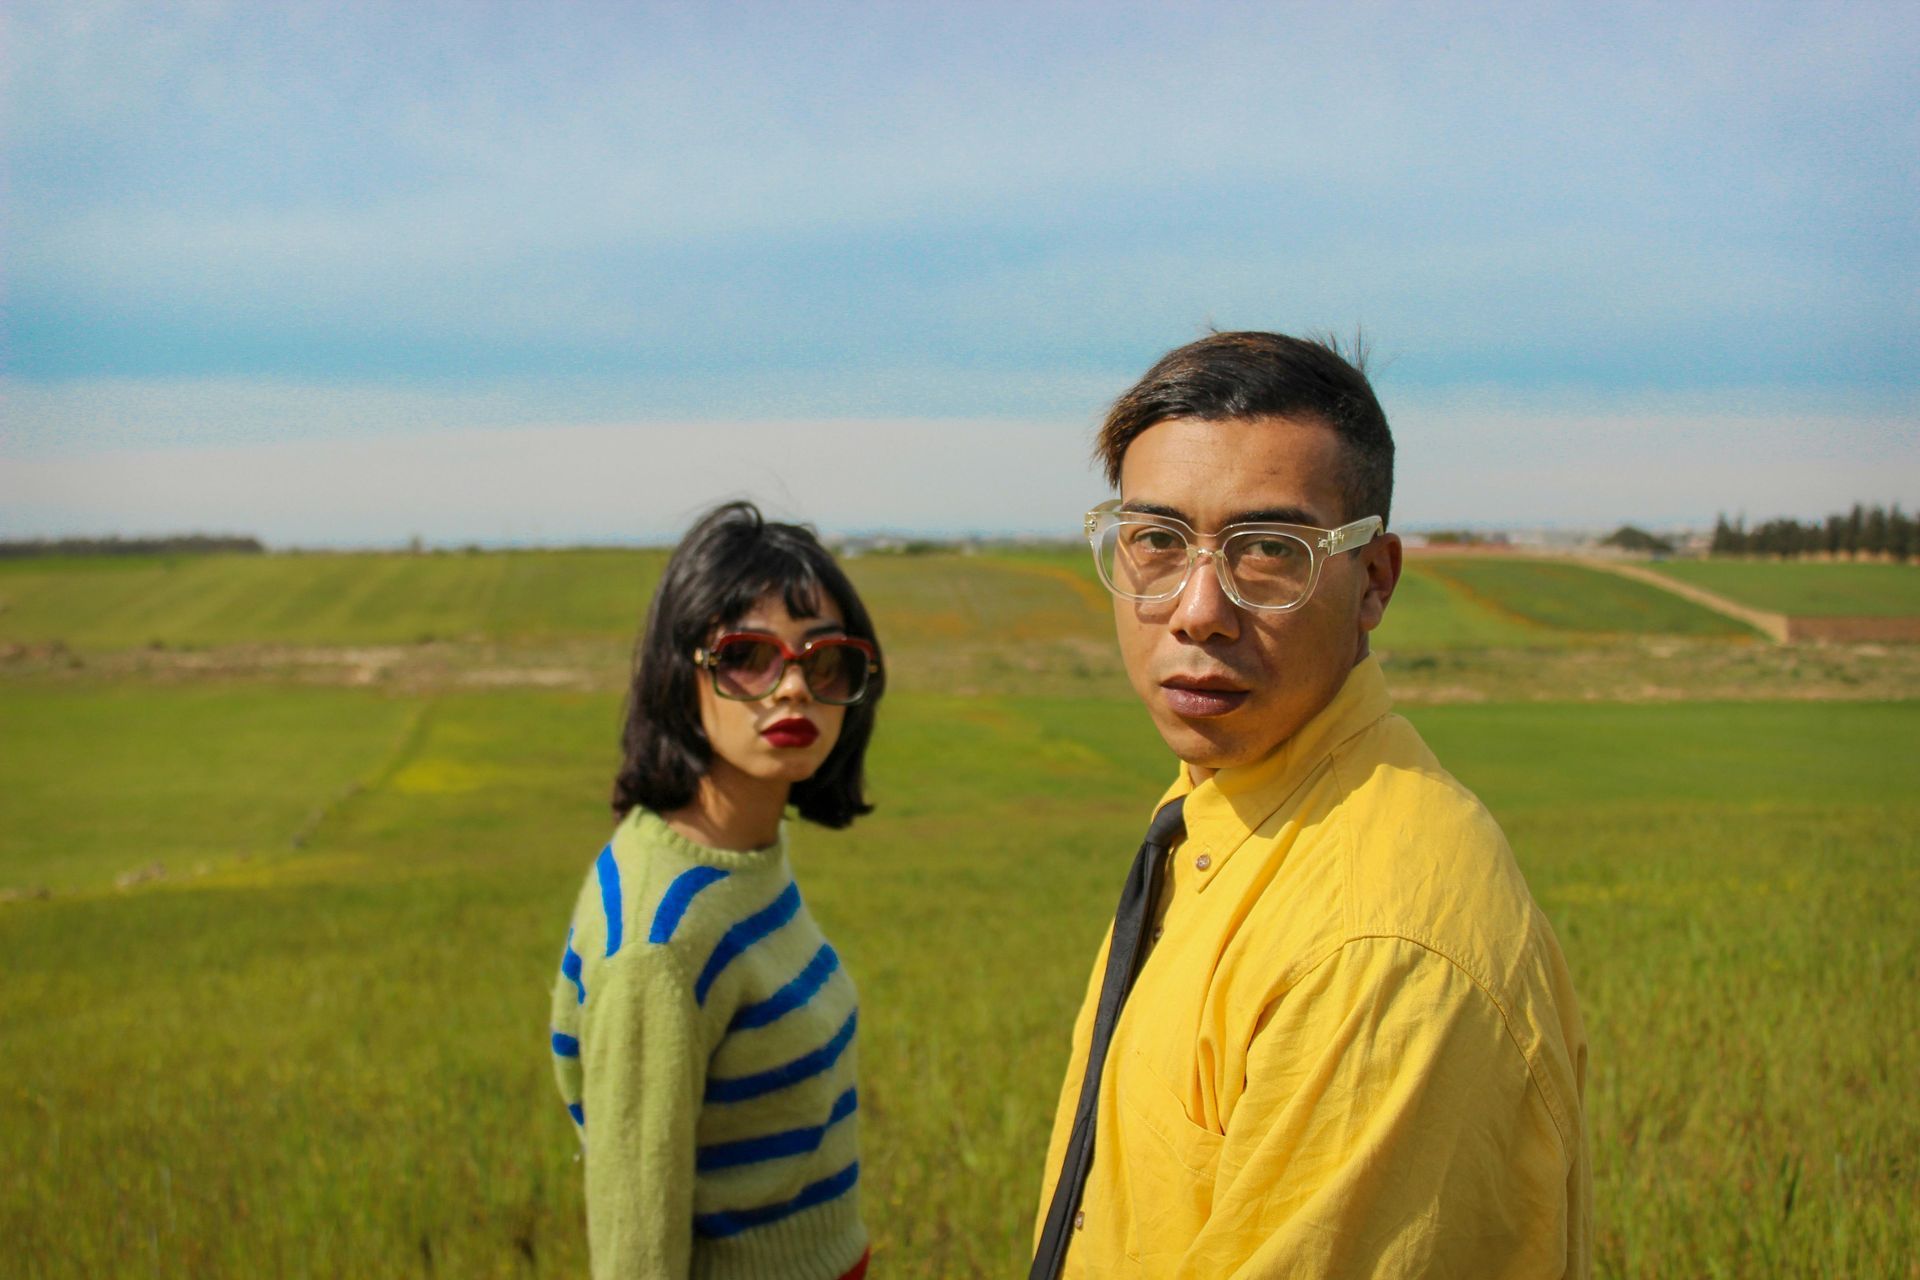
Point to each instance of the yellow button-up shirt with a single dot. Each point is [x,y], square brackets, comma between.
[1353,1049]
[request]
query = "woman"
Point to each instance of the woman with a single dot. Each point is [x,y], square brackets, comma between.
[702,1026]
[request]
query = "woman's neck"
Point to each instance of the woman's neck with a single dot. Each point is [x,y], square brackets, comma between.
[731,810]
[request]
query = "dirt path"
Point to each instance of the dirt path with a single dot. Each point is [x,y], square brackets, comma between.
[1774,625]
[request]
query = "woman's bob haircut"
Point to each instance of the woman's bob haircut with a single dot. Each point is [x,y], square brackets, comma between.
[728,561]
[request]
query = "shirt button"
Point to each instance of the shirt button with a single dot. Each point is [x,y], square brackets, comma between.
[1157,931]
[1202,862]
[1079,1219]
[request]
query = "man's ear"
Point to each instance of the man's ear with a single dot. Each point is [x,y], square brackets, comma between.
[1382,558]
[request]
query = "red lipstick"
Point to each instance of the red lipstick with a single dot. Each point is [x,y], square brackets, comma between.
[791,732]
[1202,697]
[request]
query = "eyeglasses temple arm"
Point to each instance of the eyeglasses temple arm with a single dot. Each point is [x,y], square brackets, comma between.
[1350,537]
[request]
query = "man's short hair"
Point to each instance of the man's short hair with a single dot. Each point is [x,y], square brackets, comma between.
[1229,376]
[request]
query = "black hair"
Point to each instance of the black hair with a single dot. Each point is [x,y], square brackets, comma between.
[729,559]
[1265,375]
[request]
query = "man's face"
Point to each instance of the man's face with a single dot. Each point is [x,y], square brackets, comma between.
[1227,685]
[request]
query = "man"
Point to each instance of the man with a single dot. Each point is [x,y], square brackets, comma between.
[1351,1047]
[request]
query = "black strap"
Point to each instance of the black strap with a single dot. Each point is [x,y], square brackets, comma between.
[1123,966]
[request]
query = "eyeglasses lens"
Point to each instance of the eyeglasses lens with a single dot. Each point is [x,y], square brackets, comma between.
[1148,561]
[1143,560]
[747,668]
[1269,568]
[835,671]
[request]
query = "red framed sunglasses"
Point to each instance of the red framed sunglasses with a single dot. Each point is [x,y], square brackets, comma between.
[748,665]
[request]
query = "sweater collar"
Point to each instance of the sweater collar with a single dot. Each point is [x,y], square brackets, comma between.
[658,832]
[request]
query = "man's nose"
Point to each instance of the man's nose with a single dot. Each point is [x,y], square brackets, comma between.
[1203,610]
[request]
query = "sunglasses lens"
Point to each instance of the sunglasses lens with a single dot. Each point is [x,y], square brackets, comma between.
[746,668]
[835,672]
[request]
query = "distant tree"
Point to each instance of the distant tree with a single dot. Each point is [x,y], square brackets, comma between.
[1863,530]
[114,545]
[1873,538]
[1785,537]
[1629,538]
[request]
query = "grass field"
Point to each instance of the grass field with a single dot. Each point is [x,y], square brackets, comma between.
[347,599]
[1038,595]
[1805,588]
[315,1043]
[1559,596]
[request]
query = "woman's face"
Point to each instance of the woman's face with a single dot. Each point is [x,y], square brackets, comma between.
[785,736]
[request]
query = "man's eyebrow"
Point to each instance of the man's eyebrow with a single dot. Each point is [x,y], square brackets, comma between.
[1259,515]
[1156,509]
[825,629]
[1274,515]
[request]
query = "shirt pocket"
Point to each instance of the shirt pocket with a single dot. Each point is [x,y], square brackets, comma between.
[1170,1168]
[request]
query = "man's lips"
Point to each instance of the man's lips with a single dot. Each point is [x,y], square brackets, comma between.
[791,732]
[1198,697]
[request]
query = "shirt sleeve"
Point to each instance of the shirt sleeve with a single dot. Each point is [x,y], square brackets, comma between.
[643,1078]
[1389,1126]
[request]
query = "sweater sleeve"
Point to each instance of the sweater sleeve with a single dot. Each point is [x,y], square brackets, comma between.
[643,1074]
[1390,1126]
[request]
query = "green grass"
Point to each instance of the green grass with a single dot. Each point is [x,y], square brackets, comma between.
[515,597]
[1428,613]
[329,1059]
[106,780]
[1807,588]
[1023,604]
[314,1044]
[345,599]
[1568,598]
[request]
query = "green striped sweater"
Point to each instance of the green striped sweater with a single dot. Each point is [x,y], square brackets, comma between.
[703,1040]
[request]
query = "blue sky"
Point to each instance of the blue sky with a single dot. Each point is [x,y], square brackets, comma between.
[347,273]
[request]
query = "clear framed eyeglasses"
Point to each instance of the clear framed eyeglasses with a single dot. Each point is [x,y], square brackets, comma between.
[1261,566]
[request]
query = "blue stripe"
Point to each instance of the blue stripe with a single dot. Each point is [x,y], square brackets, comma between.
[745,934]
[565,1045]
[794,1142]
[679,896]
[740,1088]
[570,966]
[578,1113]
[610,896]
[733,1222]
[791,996]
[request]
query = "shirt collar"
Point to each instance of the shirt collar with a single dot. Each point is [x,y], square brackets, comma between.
[1224,810]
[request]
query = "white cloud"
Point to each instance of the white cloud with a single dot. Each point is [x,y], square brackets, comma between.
[452,131]
[567,483]
[82,418]
[769,211]
[1492,457]
[1481,457]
